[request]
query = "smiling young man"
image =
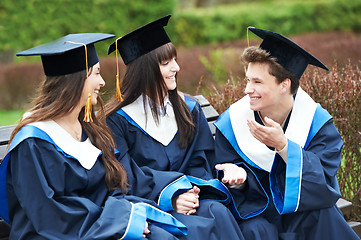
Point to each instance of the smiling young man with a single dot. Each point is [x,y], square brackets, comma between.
[278,151]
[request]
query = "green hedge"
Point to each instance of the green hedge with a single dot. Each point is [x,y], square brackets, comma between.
[27,23]
[227,23]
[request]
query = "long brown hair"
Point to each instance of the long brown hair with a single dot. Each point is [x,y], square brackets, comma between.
[58,96]
[143,76]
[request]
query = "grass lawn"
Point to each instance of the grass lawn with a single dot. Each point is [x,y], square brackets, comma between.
[10,117]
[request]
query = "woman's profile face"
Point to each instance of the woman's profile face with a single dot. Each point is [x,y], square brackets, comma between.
[169,69]
[95,83]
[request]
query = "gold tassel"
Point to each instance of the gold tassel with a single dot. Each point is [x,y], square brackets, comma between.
[88,110]
[88,105]
[118,93]
[245,77]
[247,34]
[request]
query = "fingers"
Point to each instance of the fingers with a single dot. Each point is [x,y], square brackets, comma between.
[187,202]
[194,190]
[219,166]
[146,229]
[232,173]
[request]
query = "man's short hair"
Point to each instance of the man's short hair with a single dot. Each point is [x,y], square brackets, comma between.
[255,54]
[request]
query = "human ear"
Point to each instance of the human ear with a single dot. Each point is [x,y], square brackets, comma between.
[286,85]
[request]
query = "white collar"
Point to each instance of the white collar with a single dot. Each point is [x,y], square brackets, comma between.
[85,152]
[297,130]
[164,131]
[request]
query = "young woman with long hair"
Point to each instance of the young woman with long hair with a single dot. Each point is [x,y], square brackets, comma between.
[60,178]
[164,140]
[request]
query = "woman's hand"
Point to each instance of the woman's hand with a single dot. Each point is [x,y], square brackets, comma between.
[233,174]
[146,229]
[187,202]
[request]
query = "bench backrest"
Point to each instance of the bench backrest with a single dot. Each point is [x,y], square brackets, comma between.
[5,132]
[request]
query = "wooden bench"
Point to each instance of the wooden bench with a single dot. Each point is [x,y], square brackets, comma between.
[211,115]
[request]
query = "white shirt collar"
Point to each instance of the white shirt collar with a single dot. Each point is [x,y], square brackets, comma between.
[297,130]
[85,152]
[164,131]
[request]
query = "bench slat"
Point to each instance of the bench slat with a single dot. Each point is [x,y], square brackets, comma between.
[202,100]
[356,226]
[212,127]
[210,113]
[4,229]
[345,207]
[5,133]
[2,151]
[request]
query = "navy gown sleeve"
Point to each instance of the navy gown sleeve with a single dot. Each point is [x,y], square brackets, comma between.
[48,200]
[307,182]
[145,181]
[48,208]
[253,198]
[142,156]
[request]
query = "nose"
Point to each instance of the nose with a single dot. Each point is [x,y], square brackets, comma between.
[102,82]
[249,88]
[175,66]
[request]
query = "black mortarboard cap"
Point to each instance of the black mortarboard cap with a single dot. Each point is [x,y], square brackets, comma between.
[142,40]
[61,57]
[289,55]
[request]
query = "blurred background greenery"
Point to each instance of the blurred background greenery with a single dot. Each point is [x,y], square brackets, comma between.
[209,35]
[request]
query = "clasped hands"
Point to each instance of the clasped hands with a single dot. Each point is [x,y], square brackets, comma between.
[187,202]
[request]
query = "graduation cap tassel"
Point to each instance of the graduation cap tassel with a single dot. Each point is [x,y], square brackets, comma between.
[118,94]
[247,34]
[88,110]
[245,77]
[88,105]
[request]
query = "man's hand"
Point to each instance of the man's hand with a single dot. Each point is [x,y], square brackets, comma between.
[232,173]
[271,135]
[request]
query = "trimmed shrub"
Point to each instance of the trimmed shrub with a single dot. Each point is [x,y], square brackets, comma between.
[229,22]
[28,23]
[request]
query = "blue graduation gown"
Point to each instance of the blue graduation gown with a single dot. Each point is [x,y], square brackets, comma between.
[293,200]
[159,172]
[46,193]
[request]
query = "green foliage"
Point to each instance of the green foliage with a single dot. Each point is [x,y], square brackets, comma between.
[339,92]
[27,23]
[218,63]
[10,117]
[229,22]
